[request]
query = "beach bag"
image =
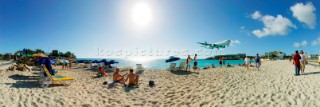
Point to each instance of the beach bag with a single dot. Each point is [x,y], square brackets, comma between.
[151,83]
[105,83]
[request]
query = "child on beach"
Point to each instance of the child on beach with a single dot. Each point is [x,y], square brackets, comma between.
[188,62]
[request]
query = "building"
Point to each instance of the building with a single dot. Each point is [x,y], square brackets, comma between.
[275,55]
[312,56]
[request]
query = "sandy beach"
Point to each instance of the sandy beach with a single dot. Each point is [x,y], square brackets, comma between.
[274,85]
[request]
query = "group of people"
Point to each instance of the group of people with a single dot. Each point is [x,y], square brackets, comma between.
[257,61]
[221,62]
[195,62]
[131,79]
[66,63]
[299,61]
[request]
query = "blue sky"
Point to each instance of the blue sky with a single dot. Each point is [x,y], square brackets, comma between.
[83,26]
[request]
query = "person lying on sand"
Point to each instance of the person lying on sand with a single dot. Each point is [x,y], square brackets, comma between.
[117,77]
[133,79]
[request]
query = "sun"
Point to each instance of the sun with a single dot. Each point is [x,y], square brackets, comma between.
[141,14]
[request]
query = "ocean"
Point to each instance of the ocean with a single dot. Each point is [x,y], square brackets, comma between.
[161,64]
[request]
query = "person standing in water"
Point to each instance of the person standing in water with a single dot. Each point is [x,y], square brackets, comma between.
[188,62]
[195,62]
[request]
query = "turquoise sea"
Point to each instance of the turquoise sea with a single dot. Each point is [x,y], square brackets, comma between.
[161,64]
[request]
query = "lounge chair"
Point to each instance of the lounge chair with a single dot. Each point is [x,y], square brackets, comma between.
[182,66]
[139,67]
[172,67]
[94,65]
[50,79]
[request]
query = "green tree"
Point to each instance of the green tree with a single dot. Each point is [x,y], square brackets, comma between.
[39,51]
[61,54]
[68,54]
[29,51]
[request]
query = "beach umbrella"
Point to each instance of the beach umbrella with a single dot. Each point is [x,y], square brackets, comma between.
[172,59]
[109,62]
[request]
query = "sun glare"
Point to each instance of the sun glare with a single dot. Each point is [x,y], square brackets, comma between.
[141,14]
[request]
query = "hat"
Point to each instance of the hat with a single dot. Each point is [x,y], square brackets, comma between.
[41,55]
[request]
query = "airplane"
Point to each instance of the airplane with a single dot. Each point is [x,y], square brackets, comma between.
[217,45]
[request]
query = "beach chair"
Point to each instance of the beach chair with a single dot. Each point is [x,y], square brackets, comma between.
[172,67]
[50,79]
[95,65]
[182,66]
[139,67]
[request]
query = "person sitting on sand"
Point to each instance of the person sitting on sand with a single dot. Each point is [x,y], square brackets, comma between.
[213,66]
[133,79]
[101,72]
[117,77]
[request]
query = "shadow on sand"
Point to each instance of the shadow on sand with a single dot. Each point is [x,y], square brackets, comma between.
[24,84]
[23,77]
[129,88]
[181,72]
[311,73]
[140,72]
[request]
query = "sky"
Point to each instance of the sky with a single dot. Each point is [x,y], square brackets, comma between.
[119,28]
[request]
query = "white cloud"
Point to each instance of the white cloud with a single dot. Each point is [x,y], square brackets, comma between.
[301,44]
[233,42]
[272,25]
[316,42]
[256,15]
[305,13]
